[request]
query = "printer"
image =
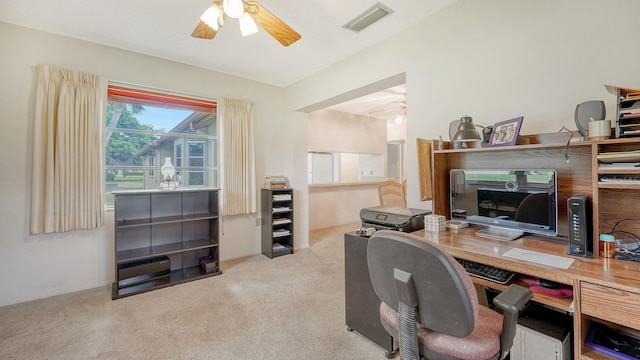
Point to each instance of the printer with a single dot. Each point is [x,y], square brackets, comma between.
[393,218]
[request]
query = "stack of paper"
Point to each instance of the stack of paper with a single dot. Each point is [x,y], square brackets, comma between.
[280,221]
[276,182]
[279,247]
[281,197]
[281,232]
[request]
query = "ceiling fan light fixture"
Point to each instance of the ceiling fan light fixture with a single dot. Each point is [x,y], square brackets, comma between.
[211,16]
[233,8]
[401,118]
[247,25]
[259,16]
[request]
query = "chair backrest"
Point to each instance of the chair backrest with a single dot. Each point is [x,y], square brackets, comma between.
[534,209]
[391,193]
[446,298]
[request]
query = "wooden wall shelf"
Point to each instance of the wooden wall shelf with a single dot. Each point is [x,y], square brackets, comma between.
[582,174]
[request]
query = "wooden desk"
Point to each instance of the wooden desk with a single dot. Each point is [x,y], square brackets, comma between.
[605,290]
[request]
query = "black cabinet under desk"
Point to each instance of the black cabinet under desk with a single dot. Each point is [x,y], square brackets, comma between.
[361,302]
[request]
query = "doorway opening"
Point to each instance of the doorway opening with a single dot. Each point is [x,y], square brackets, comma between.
[359,125]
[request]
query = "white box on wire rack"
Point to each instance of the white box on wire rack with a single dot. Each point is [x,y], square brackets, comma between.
[435,223]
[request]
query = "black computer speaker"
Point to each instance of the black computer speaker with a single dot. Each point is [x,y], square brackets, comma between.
[589,111]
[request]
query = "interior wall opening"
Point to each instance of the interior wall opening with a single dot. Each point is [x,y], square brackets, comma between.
[364,135]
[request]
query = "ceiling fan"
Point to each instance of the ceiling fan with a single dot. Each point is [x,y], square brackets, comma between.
[248,14]
[400,111]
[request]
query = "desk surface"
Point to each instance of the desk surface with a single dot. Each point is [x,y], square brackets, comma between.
[463,243]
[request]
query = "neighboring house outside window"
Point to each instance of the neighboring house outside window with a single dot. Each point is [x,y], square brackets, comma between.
[140,136]
[151,157]
[178,157]
[195,158]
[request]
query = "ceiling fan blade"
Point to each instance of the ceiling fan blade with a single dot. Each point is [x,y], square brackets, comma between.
[390,107]
[381,111]
[203,31]
[274,26]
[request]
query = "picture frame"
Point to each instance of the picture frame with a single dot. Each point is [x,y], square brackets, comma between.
[506,132]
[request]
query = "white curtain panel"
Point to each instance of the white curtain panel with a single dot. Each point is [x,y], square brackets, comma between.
[67,187]
[238,183]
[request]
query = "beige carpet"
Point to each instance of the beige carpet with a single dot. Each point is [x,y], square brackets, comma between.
[291,307]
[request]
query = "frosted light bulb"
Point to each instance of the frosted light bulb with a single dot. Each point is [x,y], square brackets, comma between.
[247,25]
[233,8]
[211,15]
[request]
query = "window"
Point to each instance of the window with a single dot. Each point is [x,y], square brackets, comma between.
[178,154]
[195,159]
[151,164]
[144,128]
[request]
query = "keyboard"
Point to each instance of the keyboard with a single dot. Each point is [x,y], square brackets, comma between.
[487,272]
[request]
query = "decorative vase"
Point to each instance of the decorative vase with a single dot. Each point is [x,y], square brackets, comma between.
[168,171]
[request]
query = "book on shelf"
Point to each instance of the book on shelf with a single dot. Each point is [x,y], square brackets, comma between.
[620,157]
[620,179]
[631,115]
[620,166]
[635,108]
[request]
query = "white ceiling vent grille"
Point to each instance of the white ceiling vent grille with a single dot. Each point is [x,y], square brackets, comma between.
[377,12]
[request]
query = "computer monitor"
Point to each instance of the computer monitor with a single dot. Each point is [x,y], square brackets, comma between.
[508,203]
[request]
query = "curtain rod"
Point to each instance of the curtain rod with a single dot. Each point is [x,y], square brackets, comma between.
[159,90]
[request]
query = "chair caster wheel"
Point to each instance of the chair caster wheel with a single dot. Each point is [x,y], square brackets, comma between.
[389,354]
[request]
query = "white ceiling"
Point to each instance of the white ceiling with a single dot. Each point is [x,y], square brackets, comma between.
[385,104]
[162,28]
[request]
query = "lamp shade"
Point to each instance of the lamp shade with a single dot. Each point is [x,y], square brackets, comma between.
[247,25]
[211,15]
[233,8]
[466,131]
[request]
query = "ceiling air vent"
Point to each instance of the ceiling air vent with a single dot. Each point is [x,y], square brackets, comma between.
[377,12]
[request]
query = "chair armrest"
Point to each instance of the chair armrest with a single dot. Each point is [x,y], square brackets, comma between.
[511,301]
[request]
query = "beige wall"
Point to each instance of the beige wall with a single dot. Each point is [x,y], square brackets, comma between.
[397,132]
[39,266]
[340,132]
[339,204]
[336,131]
[492,60]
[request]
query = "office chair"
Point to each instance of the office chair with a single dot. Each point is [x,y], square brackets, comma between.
[429,303]
[534,209]
[391,193]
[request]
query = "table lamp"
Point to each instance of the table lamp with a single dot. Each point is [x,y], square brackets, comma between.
[466,132]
